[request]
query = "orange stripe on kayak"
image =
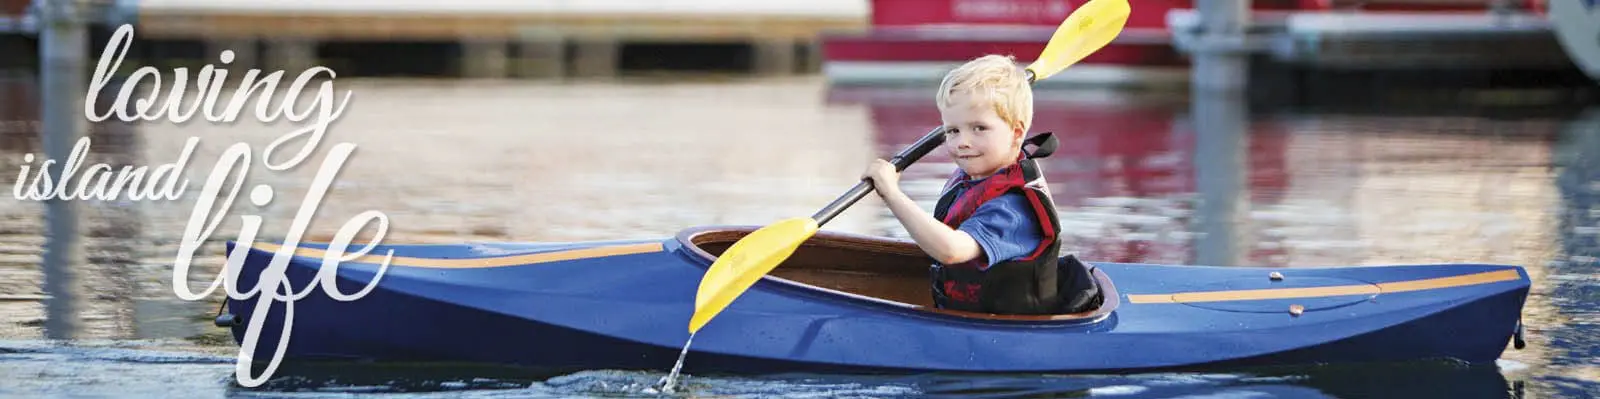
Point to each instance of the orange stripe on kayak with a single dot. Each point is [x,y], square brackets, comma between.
[1338,290]
[497,261]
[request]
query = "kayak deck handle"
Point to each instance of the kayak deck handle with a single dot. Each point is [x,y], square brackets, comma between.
[1516,339]
[225,320]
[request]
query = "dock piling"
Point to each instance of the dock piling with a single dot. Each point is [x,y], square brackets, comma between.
[1220,51]
[596,57]
[774,56]
[245,53]
[540,58]
[1219,78]
[485,58]
[291,54]
[63,44]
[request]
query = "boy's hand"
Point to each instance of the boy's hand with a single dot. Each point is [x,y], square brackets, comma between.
[884,177]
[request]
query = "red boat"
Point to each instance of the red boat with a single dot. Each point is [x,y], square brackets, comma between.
[915,40]
[11,16]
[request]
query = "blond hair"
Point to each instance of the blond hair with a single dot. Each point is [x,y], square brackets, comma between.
[995,80]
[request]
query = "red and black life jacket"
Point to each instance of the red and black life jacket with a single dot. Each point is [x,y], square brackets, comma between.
[1033,284]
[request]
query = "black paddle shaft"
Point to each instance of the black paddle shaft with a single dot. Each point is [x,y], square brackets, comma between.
[905,158]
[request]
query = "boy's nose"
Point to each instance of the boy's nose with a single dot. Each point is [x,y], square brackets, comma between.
[961,141]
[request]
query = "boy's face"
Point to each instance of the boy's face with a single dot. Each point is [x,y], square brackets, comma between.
[977,138]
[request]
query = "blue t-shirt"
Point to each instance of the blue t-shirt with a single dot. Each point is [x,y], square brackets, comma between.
[1005,227]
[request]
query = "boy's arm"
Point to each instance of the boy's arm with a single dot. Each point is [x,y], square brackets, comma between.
[944,244]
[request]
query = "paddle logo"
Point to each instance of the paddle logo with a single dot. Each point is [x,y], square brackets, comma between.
[315,116]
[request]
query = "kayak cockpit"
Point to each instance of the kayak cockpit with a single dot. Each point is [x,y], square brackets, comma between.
[877,269]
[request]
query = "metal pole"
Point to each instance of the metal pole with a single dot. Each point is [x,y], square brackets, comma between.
[62,49]
[1221,123]
[1220,76]
[1220,54]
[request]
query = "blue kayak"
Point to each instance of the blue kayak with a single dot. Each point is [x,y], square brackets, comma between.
[848,303]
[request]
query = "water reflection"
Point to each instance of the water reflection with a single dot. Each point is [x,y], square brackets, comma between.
[1138,178]
[1141,181]
[1221,123]
[98,292]
[525,162]
[1574,275]
[119,292]
[162,372]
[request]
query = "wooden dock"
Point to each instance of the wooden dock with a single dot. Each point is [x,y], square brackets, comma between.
[508,38]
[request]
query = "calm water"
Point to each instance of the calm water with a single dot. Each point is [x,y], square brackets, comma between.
[1144,179]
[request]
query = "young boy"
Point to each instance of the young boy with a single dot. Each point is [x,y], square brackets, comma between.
[993,233]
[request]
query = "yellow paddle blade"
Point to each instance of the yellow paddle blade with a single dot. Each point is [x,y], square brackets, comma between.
[1089,28]
[745,262]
